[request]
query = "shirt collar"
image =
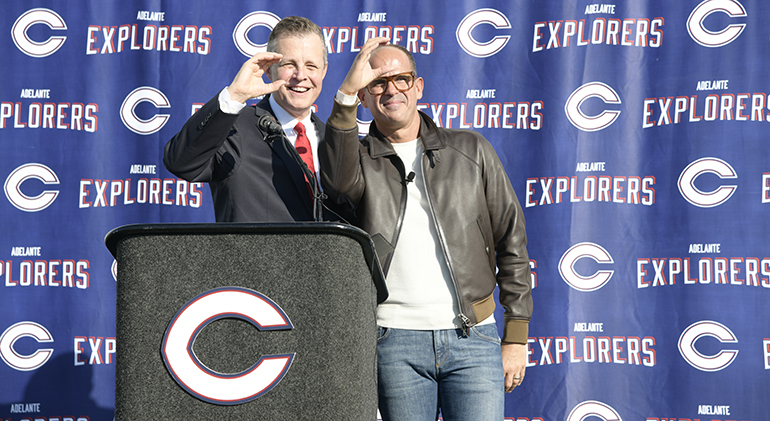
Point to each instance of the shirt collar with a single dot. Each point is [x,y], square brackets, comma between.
[287,121]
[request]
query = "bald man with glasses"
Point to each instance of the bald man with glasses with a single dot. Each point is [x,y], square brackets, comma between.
[453,231]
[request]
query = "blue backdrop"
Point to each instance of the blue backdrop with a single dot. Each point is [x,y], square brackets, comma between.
[634,134]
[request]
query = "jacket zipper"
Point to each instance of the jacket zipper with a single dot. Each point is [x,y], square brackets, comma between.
[466,322]
[402,211]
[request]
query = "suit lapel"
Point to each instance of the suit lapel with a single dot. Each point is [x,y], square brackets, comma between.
[281,151]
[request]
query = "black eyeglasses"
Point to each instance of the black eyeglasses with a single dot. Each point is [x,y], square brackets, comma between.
[402,81]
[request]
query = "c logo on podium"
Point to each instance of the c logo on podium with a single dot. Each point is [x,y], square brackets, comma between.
[199,380]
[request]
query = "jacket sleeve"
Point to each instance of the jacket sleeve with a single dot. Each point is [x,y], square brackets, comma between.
[194,153]
[510,239]
[340,159]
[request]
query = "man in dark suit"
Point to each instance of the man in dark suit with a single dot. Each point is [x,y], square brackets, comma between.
[253,179]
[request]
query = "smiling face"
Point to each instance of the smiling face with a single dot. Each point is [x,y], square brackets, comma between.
[303,68]
[394,112]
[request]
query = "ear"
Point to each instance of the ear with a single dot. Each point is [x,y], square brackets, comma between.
[418,84]
[361,97]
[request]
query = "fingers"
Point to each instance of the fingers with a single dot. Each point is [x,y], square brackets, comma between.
[371,44]
[263,60]
[377,42]
[361,72]
[248,83]
[272,87]
[514,365]
[511,381]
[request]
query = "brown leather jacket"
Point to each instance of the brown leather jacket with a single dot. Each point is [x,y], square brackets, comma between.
[478,218]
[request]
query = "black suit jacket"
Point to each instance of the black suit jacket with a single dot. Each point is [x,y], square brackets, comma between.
[250,180]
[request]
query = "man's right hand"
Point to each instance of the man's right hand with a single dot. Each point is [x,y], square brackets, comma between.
[248,83]
[361,72]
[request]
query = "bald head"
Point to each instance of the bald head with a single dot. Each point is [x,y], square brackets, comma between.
[409,56]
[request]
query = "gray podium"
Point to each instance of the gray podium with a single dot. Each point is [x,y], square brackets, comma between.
[245,322]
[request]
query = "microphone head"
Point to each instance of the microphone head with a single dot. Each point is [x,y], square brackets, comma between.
[268,124]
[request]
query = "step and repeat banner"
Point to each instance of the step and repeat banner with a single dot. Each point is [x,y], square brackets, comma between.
[635,134]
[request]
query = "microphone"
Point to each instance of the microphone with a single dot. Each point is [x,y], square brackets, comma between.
[409,178]
[268,124]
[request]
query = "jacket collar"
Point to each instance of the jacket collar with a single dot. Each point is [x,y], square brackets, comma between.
[432,139]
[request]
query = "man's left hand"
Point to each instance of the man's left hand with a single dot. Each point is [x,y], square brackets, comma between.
[514,364]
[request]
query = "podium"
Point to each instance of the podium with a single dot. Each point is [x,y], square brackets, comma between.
[246,321]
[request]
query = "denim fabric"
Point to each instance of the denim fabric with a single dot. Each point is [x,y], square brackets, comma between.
[423,371]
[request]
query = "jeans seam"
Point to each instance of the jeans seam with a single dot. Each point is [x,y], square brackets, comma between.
[481,336]
[385,334]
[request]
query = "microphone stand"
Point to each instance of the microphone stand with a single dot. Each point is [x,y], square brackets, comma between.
[274,130]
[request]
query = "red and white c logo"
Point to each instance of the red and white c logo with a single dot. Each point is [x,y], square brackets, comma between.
[703,362]
[587,123]
[31,47]
[578,281]
[240,34]
[706,38]
[23,173]
[202,382]
[699,167]
[19,361]
[478,48]
[587,409]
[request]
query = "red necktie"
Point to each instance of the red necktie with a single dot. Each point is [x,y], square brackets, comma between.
[303,148]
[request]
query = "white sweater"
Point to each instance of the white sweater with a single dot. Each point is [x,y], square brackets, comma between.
[421,294]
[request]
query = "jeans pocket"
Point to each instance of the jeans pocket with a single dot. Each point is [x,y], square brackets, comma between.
[382,333]
[487,333]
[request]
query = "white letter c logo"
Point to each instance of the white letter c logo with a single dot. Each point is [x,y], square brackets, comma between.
[202,382]
[33,17]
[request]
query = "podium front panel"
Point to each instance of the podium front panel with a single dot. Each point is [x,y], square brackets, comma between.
[177,285]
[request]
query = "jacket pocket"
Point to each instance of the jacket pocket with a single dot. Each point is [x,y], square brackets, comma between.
[382,333]
[486,235]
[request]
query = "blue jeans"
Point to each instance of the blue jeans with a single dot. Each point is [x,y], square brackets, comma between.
[422,371]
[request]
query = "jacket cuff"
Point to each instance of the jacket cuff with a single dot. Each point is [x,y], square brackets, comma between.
[343,117]
[515,331]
